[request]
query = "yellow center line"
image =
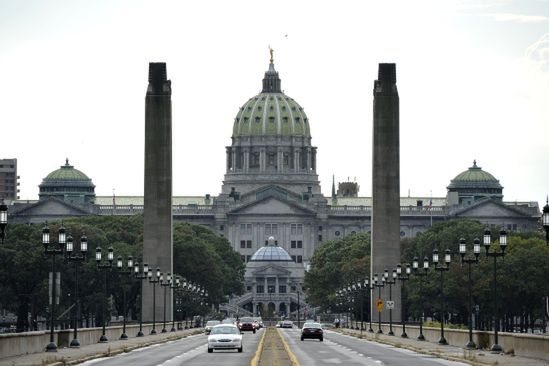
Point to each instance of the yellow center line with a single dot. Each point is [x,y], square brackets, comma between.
[255,360]
[293,359]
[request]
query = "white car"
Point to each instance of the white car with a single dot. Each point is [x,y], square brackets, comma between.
[225,336]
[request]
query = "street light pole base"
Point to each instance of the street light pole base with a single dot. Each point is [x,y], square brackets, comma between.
[164,330]
[443,341]
[370,330]
[51,347]
[75,343]
[470,345]
[379,331]
[153,331]
[140,334]
[103,339]
[404,335]
[172,330]
[421,337]
[496,348]
[391,333]
[123,336]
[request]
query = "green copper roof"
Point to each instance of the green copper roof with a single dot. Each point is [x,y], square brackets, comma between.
[67,173]
[474,177]
[271,112]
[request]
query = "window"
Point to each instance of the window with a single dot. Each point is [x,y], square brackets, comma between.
[260,289]
[248,257]
[319,238]
[294,258]
[299,259]
[248,288]
[248,243]
[293,244]
[246,229]
[293,288]
[296,229]
[271,229]
[300,244]
[337,233]
[243,258]
[221,227]
[320,228]
[243,244]
[282,289]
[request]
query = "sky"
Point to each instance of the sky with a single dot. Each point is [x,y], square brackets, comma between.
[473,80]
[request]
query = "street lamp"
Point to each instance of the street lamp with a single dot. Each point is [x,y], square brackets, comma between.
[174,285]
[104,266]
[379,285]
[390,282]
[140,276]
[496,348]
[403,277]
[370,288]
[417,272]
[3,220]
[545,220]
[72,256]
[469,261]
[165,283]
[154,280]
[127,271]
[442,268]
[298,305]
[53,250]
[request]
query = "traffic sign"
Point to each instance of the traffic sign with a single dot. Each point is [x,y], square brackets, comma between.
[390,305]
[379,304]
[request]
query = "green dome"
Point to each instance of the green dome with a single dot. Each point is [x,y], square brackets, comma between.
[475,177]
[271,112]
[67,172]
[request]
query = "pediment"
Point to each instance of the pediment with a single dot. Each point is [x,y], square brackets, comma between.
[489,208]
[51,207]
[272,205]
[271,270]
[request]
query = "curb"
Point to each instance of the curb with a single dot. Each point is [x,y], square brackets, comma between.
[257,356]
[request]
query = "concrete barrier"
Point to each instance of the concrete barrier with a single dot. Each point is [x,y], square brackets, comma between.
[520,344]
[16,344]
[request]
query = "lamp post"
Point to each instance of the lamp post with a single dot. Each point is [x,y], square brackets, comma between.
[403,277]
[3,220]
[127,271]
[417,272]
[72,256]
[104,266]
[379,285]
[174,285]
[469,261]
[298,306]
[53,250]
[390,282]
[370,288]
[442,268]
[140,276]
[544,220]
[154,280]
[496,348]
[165,283]
[360,289]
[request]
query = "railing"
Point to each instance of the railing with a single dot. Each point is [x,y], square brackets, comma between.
[404,210]
[124,210]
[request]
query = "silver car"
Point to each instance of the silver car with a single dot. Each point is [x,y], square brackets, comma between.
[225,336]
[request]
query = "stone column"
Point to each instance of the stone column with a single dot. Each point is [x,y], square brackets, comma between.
[246,166]
[386,183]
[233,159]
[262,159]
[279,160]
[309,159]
[157,217]
[296,160]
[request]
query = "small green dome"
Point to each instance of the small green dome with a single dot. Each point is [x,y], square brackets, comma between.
[67,172]
[475,177]
[271,112]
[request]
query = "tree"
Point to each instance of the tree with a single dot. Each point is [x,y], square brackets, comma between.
[334,264]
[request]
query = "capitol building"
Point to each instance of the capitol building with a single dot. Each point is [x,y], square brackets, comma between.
[271,208]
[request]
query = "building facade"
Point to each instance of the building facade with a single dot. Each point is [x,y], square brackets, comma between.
[9,180]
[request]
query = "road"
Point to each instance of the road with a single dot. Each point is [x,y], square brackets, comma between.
[187,351]
[336,349]
[345,350]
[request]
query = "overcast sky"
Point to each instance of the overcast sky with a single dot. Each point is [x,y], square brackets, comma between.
[473,79]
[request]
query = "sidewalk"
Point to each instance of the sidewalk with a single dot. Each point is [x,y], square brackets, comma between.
[474,357]
[72,356]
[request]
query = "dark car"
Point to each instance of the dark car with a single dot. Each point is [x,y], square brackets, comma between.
[246,324]
[312,330]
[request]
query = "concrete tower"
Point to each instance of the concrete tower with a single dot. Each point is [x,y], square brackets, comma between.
[157,230]
[386,183]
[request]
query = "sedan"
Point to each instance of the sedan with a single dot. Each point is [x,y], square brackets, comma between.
[246,324]
[225,336]
[312,330]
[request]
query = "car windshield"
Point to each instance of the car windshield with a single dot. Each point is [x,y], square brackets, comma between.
[246,320]
[312,325]
[212,322]
[225,330]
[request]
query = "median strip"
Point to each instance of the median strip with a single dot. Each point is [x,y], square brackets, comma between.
[293,359]
[259,350]
[273,350]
